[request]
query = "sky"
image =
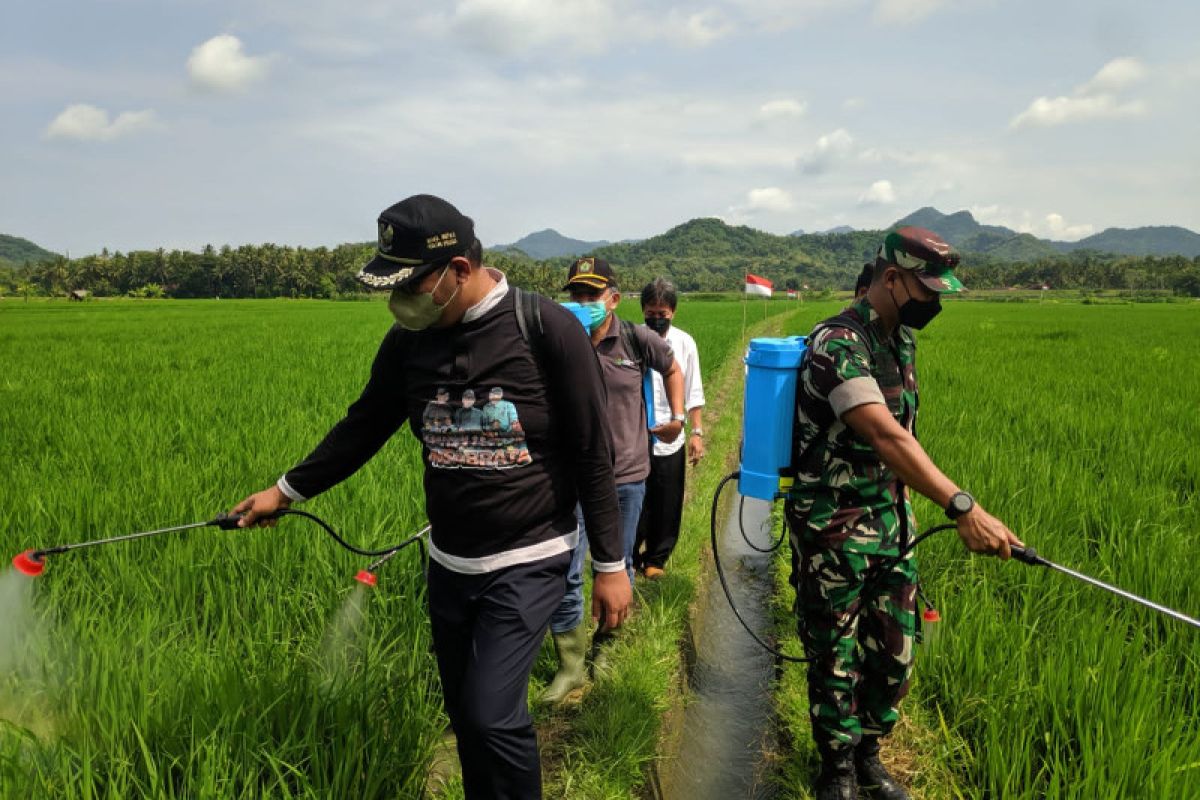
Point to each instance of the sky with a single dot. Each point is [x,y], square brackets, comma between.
[131,124]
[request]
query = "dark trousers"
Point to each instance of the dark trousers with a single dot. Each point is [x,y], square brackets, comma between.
[486,633]
[658,528]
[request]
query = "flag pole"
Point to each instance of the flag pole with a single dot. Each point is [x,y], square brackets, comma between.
[744,342]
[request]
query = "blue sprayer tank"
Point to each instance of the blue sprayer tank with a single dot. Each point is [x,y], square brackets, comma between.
[772,368]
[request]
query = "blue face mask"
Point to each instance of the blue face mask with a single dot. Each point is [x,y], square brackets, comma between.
[590,315]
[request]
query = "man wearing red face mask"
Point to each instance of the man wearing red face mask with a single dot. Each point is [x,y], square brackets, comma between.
[501,504]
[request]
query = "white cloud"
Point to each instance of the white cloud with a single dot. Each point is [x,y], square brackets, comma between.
[87,123]
[829,148]
[697,29]
[880,193]
[512,27]
[220,64]
[1058,228]
[906,11]
[1118,74]
[1050,226]
[770,198]
[1096,99]
[521,27]
[852,103]
[782,109]
[1052,111]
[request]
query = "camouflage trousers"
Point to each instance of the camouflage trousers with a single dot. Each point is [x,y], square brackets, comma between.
[858,676]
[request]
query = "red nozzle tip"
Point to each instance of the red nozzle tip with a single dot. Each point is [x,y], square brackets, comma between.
[29,563]
[931,615]
[365,577]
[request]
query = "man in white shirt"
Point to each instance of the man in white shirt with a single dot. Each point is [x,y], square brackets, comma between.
[658,528]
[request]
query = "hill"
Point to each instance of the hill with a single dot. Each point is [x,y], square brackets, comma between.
[1155,240]
[963,231]
[550,244]
[22,251]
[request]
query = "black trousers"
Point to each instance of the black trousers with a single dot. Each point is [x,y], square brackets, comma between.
[662,510]
[486,633]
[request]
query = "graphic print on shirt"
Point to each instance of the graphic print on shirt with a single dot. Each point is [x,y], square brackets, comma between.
[467,437]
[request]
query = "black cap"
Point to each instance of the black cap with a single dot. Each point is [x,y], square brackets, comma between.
[416,235]
[595,273]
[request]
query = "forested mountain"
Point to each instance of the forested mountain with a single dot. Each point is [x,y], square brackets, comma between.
[700,255]
[550,244]
[1150,241]
[964,232]
[18,251]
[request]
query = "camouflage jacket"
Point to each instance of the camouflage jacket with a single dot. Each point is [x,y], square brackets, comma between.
[847,497]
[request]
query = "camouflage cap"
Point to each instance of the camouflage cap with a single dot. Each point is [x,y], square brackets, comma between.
[926,255]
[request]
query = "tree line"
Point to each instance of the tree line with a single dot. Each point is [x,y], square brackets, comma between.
[269,270]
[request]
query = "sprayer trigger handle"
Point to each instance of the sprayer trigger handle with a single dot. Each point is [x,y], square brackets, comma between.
[1026,555]
[227,522]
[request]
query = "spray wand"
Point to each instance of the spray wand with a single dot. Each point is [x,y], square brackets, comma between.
[1028,555]
[33,562]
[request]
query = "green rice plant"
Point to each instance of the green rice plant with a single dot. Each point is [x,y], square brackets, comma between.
[184,665]
[199,664]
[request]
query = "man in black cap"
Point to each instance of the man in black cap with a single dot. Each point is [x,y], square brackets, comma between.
[503,530]
[626,352]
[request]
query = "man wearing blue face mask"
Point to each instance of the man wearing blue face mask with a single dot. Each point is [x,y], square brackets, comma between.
[626,351]
[501,503]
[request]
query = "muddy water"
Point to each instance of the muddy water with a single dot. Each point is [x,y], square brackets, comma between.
[726,724]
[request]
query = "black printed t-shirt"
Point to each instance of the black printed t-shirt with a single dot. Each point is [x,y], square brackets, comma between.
[509,447]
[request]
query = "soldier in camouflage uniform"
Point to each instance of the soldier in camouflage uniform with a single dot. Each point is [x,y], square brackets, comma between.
[849,512]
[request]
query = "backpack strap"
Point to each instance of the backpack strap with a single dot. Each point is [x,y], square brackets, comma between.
[801,456]
[633,345]
[529,317]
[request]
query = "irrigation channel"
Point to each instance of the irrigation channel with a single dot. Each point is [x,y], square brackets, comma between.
[726,723]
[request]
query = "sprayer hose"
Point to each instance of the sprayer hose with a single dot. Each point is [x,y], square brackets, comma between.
[283,512]
[873,576]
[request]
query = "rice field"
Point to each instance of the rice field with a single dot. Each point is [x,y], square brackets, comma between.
[1078,426]
[209,663]
[248,664]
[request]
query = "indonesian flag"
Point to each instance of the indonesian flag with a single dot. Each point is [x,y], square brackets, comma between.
[757,285]
[791,294]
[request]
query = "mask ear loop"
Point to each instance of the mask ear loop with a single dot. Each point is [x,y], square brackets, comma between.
[453,294]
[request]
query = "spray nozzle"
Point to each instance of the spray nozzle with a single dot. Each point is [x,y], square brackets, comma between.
[931,614]
[31,562]
[366,577]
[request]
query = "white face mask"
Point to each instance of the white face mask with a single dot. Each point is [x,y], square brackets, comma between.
[416,312]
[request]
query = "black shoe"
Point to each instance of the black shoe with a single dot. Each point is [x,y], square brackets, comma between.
[836,779]
[873,779]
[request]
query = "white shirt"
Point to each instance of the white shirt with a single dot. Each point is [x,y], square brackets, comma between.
[693,387]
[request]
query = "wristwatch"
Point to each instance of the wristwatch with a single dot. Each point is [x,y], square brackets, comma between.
[679,418]
[698,432]
[960,503]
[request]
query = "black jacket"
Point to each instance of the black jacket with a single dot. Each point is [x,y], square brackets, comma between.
[497,477]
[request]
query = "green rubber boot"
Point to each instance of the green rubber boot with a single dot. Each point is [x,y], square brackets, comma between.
[571,647]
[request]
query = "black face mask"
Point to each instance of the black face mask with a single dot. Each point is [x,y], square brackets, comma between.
[917,313]
[659,325]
